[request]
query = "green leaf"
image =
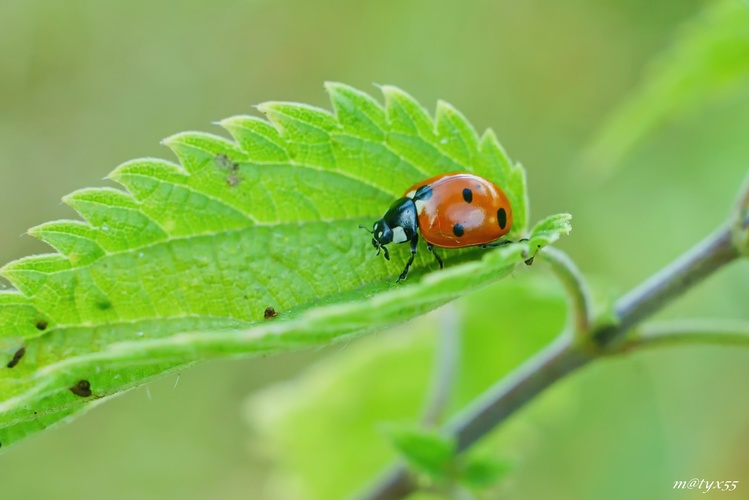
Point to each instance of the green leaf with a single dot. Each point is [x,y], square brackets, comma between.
[426,451]
[182,265]
[481,471]
[709,57]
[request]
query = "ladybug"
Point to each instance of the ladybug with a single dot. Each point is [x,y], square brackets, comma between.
[453,210]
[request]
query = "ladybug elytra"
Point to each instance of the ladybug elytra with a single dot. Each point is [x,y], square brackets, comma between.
[450,210]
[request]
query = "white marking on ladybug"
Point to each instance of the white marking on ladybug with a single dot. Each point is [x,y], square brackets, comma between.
[419,206]
[411,194]
[399,235]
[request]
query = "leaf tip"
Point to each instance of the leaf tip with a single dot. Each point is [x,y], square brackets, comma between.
[173,139]
[228,123]
[331,87]
[264,107]
[392,94]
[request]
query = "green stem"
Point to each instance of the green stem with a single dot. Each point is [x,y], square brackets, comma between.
[669,283]
[742,201]
[740,212]
[445,364]
[703,332]
[577,290]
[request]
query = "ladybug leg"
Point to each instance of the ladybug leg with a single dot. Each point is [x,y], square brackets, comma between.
[430,247]
[530,260]
[414,244]
[501,243]
[497,244]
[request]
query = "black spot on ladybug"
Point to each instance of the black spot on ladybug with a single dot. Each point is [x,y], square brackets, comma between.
[468,195]
[81,388]
[423,193]
[41,325]
[16,357]
[501,218]
[458,230]
[270,313]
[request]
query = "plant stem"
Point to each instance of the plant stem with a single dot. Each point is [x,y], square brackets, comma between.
[574,284]
[669,283]
[742,201]
[738,218]
[509,394]
[496,404]
[703,332]
[445,364]
[563,357]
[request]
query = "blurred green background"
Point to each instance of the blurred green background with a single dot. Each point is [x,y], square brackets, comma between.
[87,85]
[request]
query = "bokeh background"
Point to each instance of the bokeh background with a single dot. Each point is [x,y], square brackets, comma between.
[87,85]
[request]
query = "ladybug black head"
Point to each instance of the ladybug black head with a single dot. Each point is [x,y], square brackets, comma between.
[381,236]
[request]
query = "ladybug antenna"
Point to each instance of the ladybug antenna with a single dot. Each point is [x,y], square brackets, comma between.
[370,231]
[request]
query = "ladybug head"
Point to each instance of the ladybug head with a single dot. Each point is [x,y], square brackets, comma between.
[381,236]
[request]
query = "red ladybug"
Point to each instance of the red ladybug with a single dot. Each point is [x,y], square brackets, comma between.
[451,210]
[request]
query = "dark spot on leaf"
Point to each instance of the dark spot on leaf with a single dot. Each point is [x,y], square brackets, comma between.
[104,305]
[468,195]
[17,357]
[224,162]
[501,218]
[458,230]
[81,388]
[41,325]
[270,312]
